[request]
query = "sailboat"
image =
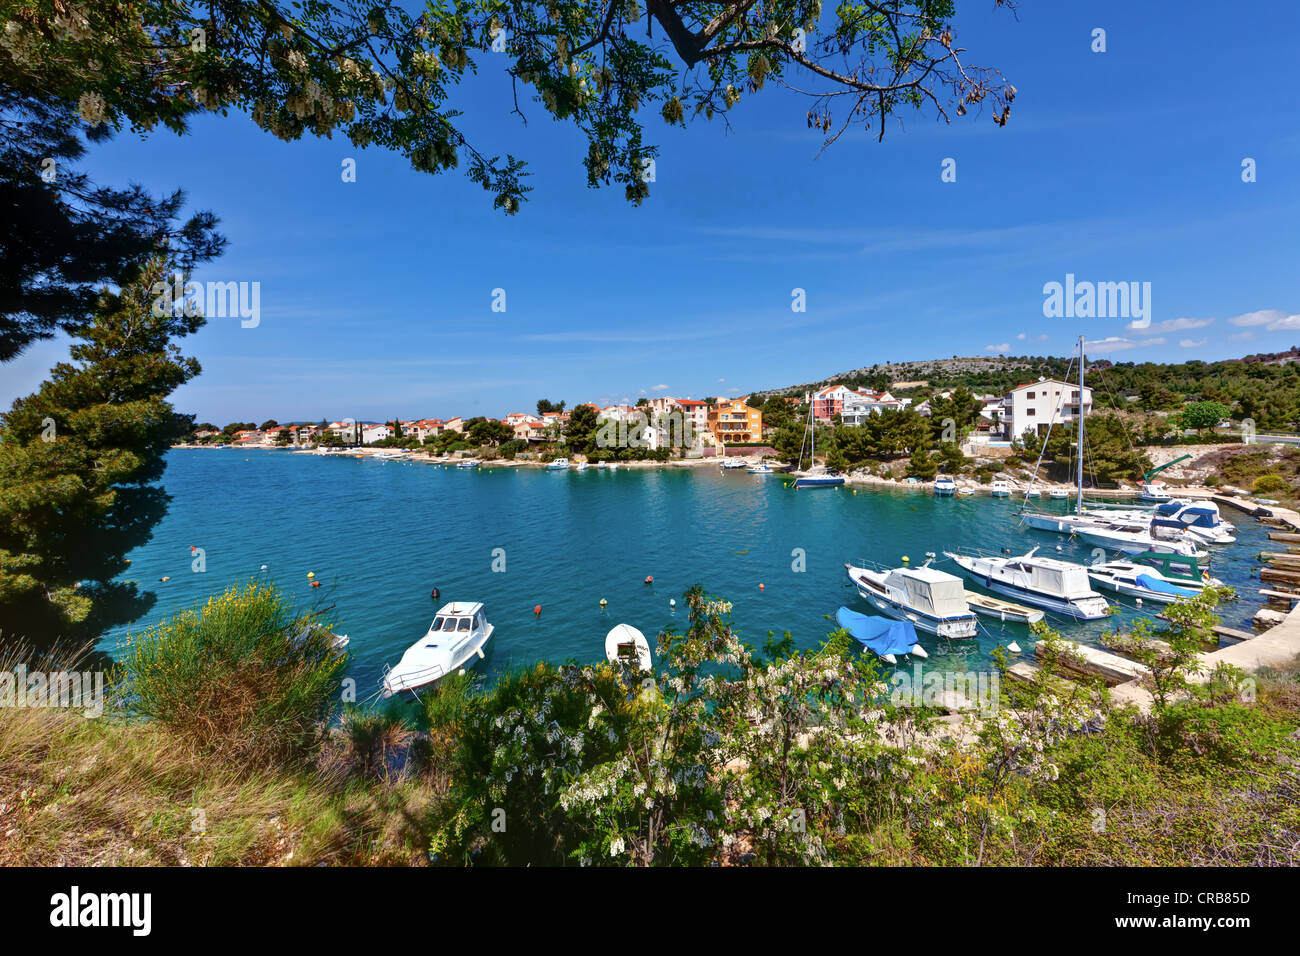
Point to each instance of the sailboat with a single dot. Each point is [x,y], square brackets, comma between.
[813,477]
[1063,523]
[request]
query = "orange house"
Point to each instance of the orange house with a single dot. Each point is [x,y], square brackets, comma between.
[734,421]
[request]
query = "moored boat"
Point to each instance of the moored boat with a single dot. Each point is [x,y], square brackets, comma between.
[1053,585]
[453,642]
[1001,488]
[883,636]
[559,464]
[1003,610]
[930,599]
[626,645]
[944,486]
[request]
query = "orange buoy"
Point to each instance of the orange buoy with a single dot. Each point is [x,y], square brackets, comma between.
[315,584]
[761,586]
[649,579]
[164,579]
[537,609]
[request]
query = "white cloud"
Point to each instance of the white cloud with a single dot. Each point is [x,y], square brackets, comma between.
[1114,343]
[722,380]
[1242,336]
[1037,338]
[658,388]
[1192,343]
[999,349]
[1272,319]
[1174,325]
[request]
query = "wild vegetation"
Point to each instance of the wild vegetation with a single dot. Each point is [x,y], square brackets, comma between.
[725,754]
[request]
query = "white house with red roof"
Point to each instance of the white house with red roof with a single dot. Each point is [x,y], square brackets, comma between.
[1039,405]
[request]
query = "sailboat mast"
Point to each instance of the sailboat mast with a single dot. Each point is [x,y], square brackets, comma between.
[1078,503]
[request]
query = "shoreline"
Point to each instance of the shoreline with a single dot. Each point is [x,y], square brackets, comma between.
[853,479]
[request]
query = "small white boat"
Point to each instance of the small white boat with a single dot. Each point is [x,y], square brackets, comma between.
[1002,610]
[1153,491]
[818,480]
[944,486]
[466,464]
[1001,488]
[1153,577]
[626,645]
[582,466]
[731,463]
[1053,585]
[560,464]
[928,598]
[965,491]
[1031,492]
[1059,494]
[761,468]
[454,641]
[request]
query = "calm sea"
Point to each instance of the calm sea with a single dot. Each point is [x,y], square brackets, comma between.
[380,535]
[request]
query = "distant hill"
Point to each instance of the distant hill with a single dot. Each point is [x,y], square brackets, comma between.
[970,370]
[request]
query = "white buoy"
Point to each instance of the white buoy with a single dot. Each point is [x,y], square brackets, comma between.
[1139,600]
[1013,647]
[672,602]
[918,651]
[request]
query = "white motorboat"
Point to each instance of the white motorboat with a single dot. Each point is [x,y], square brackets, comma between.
[1137,536]
[624,644]
[582,466]
[1058,494]
[928,598]
[1058,586]
[1201,519]
[761,468]
[1163,578]
[944,486]
[559,464]
[1031,492]
[454,641]
[466,464]
[1001,488]
[729,464]
[1155,490]
[965,491]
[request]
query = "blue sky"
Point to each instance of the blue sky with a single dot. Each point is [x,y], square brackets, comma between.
[1118,166]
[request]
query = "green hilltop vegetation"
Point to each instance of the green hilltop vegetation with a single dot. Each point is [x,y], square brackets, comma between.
[1263,387]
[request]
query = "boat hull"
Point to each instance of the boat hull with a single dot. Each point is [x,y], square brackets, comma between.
[818,482]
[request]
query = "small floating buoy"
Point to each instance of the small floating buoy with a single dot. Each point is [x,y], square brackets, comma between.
[435,594]
[191,548]
[672,603]
[264,567]
[1013,647]
[761,586]
[1139,600]
[906,559]
[537,609]
[603,602]
[649,579]
[164,579]
[311,574]
[315,584]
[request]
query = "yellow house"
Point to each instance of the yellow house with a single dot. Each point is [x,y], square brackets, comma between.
[732,421]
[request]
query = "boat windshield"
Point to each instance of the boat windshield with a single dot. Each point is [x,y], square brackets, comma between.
[463,624]
[449,624]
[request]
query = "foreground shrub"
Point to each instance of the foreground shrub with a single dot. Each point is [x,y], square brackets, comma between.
[245,677]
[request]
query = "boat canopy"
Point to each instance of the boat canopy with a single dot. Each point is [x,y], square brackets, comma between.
[1058,578]
[1164,587]
[1170,565]
[930,591]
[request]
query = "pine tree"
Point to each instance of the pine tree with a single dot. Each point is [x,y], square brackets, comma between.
[79,465]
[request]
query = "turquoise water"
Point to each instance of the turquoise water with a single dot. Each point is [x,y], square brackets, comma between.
[380,535]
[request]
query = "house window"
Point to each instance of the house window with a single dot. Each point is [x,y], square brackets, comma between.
[1029,411]
[1029,395]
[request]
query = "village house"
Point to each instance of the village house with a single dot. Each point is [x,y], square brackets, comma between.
[732,420]
[1039,405]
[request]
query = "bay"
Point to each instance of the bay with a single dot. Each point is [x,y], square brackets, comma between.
[380,535]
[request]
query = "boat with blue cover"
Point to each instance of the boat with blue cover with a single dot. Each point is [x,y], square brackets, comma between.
[883,636]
